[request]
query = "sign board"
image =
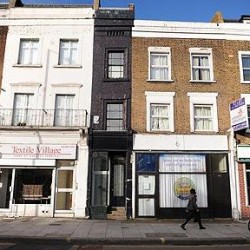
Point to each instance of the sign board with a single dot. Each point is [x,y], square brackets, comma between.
[238,114]
[243,153]
[37,151]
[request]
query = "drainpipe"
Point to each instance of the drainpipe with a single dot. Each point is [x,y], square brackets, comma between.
[233,174]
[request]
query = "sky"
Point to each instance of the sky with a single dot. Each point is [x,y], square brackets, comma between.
[171,10]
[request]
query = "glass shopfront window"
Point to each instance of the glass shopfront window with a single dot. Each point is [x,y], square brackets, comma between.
[32,186]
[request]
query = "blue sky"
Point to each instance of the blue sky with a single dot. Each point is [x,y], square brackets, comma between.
[172,10]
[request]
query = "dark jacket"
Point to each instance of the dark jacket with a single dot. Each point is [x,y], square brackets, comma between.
[192,203]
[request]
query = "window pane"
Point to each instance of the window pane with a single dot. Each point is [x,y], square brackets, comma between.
[28,53]
[115,117]
[203,120]
[200,67]
[248,186]
[159,69]
[22,109]
[68,52]
[159,117]
[65,179]
[116,65]
[146,162]
[64,110]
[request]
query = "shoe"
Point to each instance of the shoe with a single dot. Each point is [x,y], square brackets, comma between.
[183,227]
[202,227]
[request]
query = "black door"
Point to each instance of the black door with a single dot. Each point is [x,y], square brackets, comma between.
[117,197]
[220,199]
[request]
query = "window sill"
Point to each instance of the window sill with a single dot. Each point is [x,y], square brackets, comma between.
[203,82]
[205,132]
[116,80]
[27,65]
[245,82]
[159,81]
[74,66]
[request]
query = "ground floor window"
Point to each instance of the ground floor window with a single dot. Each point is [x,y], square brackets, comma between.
[32,186]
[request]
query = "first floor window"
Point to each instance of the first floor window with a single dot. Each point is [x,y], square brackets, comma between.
[248,114]
[22,113]
[203,120]
[64,110]
[159,118]
[115,117]
[68,52]
[28,51]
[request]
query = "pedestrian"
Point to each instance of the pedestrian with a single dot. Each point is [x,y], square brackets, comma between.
[192,210]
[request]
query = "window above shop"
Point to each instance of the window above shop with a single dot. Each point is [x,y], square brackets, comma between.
[244,60]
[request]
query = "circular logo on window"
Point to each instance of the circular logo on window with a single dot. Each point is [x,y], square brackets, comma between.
[182,187]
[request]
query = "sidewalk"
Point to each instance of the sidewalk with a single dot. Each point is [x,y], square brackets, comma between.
[134,232]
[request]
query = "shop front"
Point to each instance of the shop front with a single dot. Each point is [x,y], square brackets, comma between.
[163,177]
[38,180]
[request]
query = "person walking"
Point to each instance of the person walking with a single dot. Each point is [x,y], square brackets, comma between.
[192,210]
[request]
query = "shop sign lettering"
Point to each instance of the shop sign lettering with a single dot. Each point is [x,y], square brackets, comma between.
[40,151]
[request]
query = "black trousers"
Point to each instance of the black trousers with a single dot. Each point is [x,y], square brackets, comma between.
[193,214]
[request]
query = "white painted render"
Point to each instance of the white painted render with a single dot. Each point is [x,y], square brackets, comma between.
[176,142]
[45,80]
[164,29]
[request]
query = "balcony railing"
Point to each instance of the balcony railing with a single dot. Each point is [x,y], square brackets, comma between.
[43,117]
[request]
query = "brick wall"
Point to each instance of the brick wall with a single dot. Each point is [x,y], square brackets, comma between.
[226,75]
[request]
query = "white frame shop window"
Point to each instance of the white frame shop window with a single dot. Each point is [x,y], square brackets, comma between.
[207,101]
[201,63]
[29,52]
[159,64]
[68,52]
[157,100]
[244,61]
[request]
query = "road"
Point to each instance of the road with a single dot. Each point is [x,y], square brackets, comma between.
[33,246]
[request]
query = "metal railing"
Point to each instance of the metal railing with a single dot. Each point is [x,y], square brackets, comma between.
[44,117]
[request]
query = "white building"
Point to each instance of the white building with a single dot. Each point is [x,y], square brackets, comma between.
[44,110]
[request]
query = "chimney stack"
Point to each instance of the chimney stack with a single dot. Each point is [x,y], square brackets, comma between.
[96,4]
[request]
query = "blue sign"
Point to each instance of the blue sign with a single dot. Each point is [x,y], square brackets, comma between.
[238,114]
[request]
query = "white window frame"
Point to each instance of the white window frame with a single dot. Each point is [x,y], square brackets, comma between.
[196,98]
[163,51]
[201,52]
[37,61]
[241,54]
[69,40]
[165,98]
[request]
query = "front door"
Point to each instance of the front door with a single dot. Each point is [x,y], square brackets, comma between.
[117,180]
[64,191]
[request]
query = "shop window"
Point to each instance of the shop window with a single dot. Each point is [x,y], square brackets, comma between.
[146,162]
[5,183]
[32,186]
[248,182]
[219,163]
[178,174]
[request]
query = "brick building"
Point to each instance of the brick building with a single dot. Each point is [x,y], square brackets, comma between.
[184,76]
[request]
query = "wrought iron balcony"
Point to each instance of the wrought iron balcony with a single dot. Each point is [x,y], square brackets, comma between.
[43,117]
